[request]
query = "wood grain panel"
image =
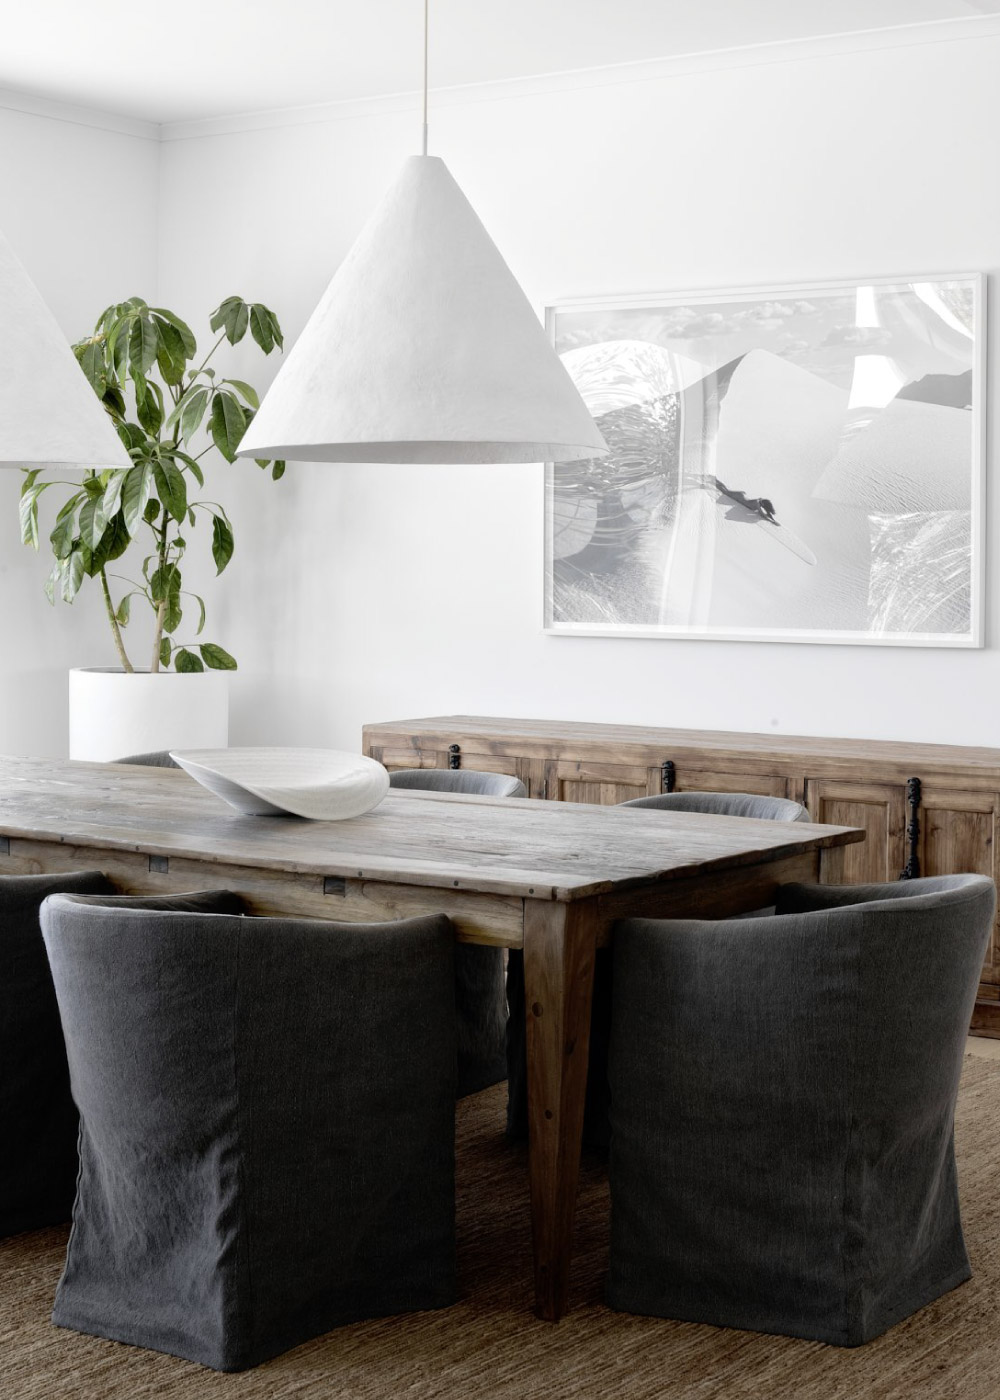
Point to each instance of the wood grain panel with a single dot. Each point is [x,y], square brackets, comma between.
[713,780]
[493,920]
[722,750]
[559,943]
[484,845]
[879,809]
[958,834]
[607,784]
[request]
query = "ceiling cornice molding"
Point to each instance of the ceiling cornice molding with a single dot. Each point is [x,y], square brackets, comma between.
[964,29]
[644,70]
[12,100]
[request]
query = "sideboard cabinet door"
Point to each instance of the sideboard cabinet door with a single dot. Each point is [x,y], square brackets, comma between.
[603,783]
[959,835]
[880,808]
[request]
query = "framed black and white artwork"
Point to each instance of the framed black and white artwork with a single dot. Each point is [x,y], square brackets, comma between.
[800,464]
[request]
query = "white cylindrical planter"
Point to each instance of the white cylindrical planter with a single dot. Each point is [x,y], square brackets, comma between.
[113,714]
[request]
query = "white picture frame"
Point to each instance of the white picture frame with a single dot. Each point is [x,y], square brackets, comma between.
[796,463]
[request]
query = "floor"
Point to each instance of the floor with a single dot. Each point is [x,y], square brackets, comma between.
[980,1045]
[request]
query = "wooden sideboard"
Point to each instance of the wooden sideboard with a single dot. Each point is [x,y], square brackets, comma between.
[927,809]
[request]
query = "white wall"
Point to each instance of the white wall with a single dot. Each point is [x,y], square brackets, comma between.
[365,593]
[84,243]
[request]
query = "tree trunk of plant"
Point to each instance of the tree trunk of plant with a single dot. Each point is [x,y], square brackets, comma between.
[116,631]
[161,612]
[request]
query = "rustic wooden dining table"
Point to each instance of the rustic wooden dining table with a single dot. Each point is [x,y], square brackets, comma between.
[549,877]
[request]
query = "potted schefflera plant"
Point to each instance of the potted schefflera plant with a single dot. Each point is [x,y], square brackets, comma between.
[171,409]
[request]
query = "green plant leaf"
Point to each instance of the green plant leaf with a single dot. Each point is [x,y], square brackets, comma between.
[228,424]
[62,537]
[231,316]
[193,411]
[28,511]
[170,357]
[185,660]
[152,510]
[216,658]
[171,486]
[113,492]
[165,587]
[181,327]
[247,391]
[173,615]
[191,464]
[165,649]
[92,362]
[124,610]
[114,400]
[143,343]
[275,328]
[71,574]
[277,470]
[201,610]
[133,437]
[135,494]
[92,521]
[114,542]
[223,543]
[163,581]
[260,327]
[53,578]
[149,405]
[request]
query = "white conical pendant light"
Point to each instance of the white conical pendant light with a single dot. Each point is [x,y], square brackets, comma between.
[49,414]
[423,349]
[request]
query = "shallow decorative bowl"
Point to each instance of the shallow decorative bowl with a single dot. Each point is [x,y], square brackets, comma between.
[323,784]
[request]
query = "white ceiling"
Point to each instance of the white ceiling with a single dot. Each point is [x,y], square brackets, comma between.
[191,59]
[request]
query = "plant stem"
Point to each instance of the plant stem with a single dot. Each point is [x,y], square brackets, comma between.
[115,629]
[161,607]
[161,611]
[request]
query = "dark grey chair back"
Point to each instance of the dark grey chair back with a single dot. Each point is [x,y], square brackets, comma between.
[726,804]
[480,996]
[782,1106]
[267,1123]
[38,1121]
[467,780]
[158,759]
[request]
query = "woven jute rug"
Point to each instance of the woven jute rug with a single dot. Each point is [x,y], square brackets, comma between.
[490,1344]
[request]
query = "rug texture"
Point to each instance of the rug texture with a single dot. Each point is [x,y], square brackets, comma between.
[491,1345]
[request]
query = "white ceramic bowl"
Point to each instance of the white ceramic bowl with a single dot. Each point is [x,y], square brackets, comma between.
[323,784]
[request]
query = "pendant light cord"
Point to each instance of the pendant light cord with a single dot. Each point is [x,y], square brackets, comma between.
[426,26]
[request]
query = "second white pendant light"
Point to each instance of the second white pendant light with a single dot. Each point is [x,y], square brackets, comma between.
[423,349]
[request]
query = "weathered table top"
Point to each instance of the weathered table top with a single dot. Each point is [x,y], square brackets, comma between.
[543,850]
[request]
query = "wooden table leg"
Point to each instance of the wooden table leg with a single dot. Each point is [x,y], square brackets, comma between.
[559,944]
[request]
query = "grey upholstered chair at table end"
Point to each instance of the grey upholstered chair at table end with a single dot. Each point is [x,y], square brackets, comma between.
[596,1127]
[782,1106]
[159,758]
[38,1120]
[267,1123]
[468,780]
[480,995]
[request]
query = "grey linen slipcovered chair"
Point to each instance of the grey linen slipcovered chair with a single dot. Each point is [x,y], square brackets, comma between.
[782,1105]
[38,1119]
[480,996]
[596,1127]
[267,1123]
